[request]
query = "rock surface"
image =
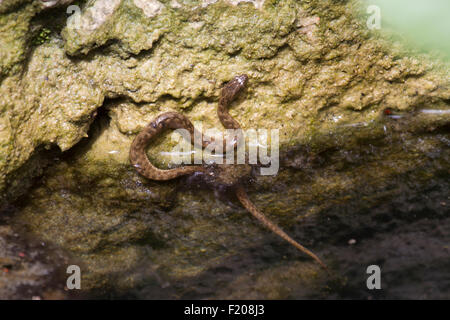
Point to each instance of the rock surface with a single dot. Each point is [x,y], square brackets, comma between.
[29,269]
[350,170]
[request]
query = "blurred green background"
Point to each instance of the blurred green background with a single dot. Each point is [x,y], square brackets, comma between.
[426,24]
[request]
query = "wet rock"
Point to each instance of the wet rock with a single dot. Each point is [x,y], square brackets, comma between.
[316,74]
[29,269]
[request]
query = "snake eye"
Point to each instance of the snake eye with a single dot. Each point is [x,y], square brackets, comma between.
[242,79]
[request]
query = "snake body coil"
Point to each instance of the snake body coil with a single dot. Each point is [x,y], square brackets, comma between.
[173,120]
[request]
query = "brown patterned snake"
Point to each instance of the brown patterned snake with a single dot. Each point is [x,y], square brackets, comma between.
[175,120]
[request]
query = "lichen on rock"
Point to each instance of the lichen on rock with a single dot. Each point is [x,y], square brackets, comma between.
[316,74]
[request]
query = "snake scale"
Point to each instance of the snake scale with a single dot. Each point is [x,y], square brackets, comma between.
[174,120]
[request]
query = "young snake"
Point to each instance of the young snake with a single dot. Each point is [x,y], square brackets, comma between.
[221,173]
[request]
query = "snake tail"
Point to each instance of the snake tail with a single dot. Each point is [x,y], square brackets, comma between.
[243,198]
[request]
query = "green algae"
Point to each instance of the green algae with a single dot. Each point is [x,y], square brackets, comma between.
[315,73]
[43,36]
[14,28]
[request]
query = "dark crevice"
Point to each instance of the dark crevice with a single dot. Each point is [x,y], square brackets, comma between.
[53,20]
[99,124]
[32,171]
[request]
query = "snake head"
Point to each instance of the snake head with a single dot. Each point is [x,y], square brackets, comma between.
[232,88]
[242,80]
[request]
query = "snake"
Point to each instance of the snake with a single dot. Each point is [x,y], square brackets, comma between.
[175,120]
